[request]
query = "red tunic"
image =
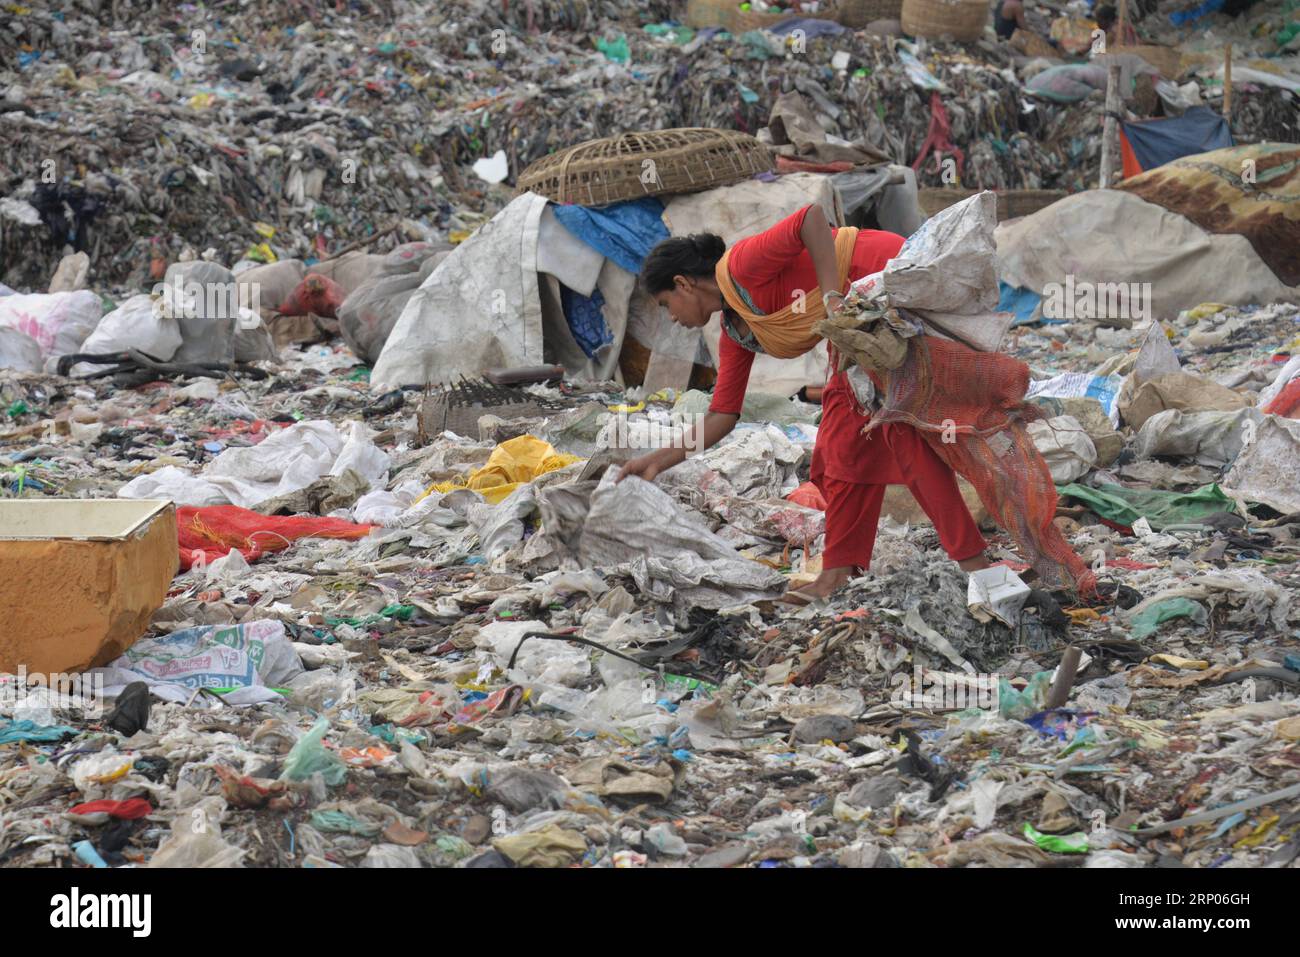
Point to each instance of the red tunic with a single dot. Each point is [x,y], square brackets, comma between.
[771,267]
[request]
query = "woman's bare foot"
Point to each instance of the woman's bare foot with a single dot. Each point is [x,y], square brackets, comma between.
[821,587]
[974,564]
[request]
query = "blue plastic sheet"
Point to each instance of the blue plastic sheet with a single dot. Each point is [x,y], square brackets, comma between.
[585,319]
[12,732]
[1156,142]
[1020,301]
[1179,17]
[623,232]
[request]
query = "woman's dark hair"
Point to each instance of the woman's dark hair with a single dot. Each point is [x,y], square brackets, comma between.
[1105,16]
[681,256]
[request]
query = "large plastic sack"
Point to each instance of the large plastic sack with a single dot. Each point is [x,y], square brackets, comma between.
[367,316]
[1213,439]
[1067,84]
[1175,390]
[137,323]
[1065,447]
[349,270]
[1105,389]
[19,351]
[1089,413]
[950,263]
[479,309]
[286,461]
[674,556]
[59,322]
[946,274]
[203,296]
[272,283]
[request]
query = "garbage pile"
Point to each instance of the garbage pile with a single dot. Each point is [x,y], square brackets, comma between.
[392,649]
[283,136]
[416,625]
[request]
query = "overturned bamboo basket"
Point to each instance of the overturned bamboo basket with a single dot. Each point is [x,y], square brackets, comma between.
[858,13]
[727,14]
[961,20]
[1012,203]
[633,165]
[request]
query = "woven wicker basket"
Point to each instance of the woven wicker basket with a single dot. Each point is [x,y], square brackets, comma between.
[1011,202]
[728,15]
[960,20]
[633,165]
[858,13]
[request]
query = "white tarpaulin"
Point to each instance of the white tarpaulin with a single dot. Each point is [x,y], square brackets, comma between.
[1106,236]
[480,309]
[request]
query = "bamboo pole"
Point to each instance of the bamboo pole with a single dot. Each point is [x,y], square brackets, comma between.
[1120,35]
[1110,131]
[1227,83]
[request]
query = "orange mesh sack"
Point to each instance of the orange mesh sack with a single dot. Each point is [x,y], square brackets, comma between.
[969,406]
[206,534]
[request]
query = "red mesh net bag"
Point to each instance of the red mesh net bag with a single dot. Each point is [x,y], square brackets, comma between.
[206,534]
[969,406]
[315,295]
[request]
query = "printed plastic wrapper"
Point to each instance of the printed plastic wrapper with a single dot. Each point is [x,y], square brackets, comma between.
[253,657]
[1069,385]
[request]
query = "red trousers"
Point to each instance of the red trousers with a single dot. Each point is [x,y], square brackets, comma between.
[852,471]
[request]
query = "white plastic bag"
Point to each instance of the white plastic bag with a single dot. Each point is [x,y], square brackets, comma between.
[19,351]
[59,322]
[135,324]
[1065,446]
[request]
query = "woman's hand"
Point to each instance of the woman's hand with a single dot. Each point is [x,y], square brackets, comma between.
[647,466]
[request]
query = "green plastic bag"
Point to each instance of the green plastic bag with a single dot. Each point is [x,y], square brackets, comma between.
[1124,506]
[1149,619]
[337,822]
[1021,704]
[1076,843]
[615,50]
[309,755]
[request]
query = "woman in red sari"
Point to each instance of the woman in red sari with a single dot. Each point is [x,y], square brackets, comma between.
[769,288]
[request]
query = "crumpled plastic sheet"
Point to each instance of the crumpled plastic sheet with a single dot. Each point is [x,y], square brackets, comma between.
[672,555]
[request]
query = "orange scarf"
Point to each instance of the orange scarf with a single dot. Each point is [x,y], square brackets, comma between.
[788,333]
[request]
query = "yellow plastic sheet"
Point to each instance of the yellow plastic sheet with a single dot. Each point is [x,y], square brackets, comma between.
[511,464]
